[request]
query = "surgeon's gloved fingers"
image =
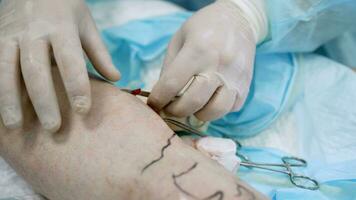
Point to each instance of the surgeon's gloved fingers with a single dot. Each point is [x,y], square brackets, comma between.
[195,97]
[174,46]
[241,99]
[219,105]
[96,50]
[36,71]
[72,67]
[10,90]
[174,79]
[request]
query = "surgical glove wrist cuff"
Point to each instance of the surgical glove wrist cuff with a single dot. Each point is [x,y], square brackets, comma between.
[255,13]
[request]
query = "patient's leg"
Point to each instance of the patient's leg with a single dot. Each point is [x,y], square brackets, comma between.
[121,150]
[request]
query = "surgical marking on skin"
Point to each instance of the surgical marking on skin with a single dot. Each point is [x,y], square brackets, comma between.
[241,188]
[169,142]
[218,194]
[174,176]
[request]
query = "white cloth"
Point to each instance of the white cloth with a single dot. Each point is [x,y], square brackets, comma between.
[221,150]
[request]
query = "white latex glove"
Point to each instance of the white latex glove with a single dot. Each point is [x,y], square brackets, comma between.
[216,47]
[30,31]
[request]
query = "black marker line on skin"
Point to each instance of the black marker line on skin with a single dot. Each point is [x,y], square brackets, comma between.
[218,194]
[169,142]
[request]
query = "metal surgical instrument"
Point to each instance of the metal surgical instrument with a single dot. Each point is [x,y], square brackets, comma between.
[298,180]
[143,93]
[286,167]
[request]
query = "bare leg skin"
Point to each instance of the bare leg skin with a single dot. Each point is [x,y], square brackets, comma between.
[121,150]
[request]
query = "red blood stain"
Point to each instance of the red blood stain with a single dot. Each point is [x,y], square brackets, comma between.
[136,92]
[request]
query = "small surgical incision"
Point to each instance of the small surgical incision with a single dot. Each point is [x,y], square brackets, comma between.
[169,142]
[219,195]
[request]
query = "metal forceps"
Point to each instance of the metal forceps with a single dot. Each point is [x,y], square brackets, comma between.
[288,164]
[298,180]
[144,93]
[286,167]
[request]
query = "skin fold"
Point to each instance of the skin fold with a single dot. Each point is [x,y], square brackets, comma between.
[120,150]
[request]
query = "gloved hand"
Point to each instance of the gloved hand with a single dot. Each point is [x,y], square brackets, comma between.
[215,48]
[30,30]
